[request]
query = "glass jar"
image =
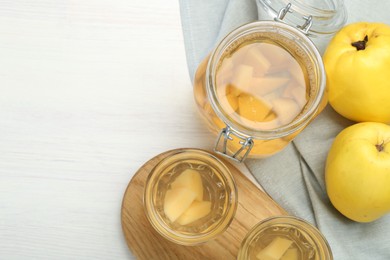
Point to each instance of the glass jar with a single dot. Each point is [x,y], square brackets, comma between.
[242,135]
[285,236]
[325,17]
[203,218]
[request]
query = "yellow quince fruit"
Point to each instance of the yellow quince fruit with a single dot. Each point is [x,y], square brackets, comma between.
[357,172]
[357,65]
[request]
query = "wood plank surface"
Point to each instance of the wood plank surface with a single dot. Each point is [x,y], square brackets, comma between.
[145,243]
[91,90]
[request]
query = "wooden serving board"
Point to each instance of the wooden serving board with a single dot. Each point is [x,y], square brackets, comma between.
[145,243]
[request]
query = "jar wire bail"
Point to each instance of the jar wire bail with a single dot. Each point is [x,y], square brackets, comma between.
[227,134]
[304,27]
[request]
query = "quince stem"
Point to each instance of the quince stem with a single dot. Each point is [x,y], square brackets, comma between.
[380,147]
[360,45]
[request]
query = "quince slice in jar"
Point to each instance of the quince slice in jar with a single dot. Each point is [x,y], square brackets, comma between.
[275,53]
[256,58]
[197,210]
[275,250]
[291,254]
[296,92]
[177,201]
[242,77]
[265,85]
[286,109]
[190,179]
[254,109]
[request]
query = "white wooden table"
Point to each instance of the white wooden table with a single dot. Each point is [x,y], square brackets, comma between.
[89,91]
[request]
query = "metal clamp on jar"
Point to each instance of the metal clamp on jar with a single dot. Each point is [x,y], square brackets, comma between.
[262,84]
[323,17]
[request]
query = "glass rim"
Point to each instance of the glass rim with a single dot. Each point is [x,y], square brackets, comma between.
[247,29]
[160,226]
[295,222]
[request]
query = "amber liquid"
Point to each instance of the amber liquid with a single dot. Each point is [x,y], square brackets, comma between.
[306,250]
[260,85]
[215,190]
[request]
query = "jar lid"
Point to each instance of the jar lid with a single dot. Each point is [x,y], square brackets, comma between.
[327,16]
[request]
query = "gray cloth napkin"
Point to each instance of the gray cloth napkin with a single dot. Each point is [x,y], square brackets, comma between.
[295,177]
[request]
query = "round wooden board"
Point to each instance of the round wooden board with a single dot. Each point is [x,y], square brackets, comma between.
[145,243]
